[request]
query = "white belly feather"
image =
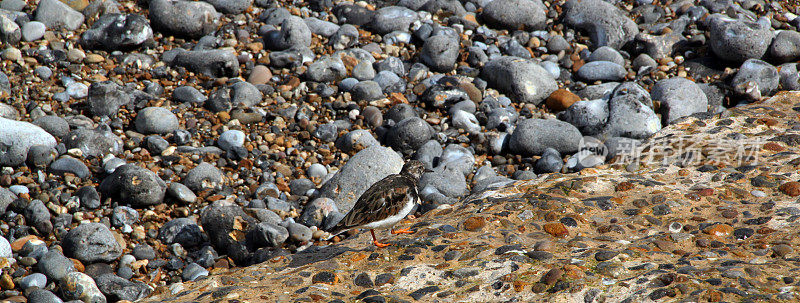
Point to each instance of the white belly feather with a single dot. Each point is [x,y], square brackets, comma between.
[392,220]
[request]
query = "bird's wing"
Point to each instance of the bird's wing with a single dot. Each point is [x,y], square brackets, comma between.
[382,200]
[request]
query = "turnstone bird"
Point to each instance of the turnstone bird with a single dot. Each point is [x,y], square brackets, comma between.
[385,203]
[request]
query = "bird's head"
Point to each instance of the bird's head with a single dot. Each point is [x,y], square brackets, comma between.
[414,169]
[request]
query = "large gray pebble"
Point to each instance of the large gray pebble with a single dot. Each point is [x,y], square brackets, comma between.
[293,33]
[67,164]
[409,134]
[320,27]
[230,7]
[356,140]
[118,288]
[326,69]
[316,212]
[118,32]
[33,31]
[94,142]
[245,94]
[212,63]
[55,125]
[202,176]
[367,91]
[299,232]
[786,46]
[605,23]
[134,185]
[737,40]
[18,137]
[58,15]
[630,113]
[758,75]
[91,242]
[183,231]
[54,265]
[392,18]
[606,53]
[221,220]
[588,116]
[105,98]
[440,52]
[601,71]
[188,94]
[515,14]
[445,179]
[680,97]
[269,234]
[790,77]
[156,120]
[523,80]
[533,136]
[192,19]
[362,170]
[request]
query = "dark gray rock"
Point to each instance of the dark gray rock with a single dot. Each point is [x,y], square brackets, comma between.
[123,215]
[41,156]
[785,47]
[55,125]
[756,76]
[293,33]
[789,77]
[230,7]
[606,53]
[245,94]
[268,234]
[67,164]
[188,94]
[409,134]
[38,216]
[392,18]
[317,212]
[118,32]
[550,162]
[320,27]
[156,120]
[445,179]
[367,91]
[588,116]
[88,197]
[680,97]
[522,80]
[91,242]
[605,23]
[353,14]
[630,113]
[16,139]
[40,295]
[116,288]
[183,231]
[356,140]
[515,14]
[533,136]
[362,170]
[10,32]
[202,176]
[440,52]
[326,69]
[58,15]
[212,63]
[737,40]
[191,19]
[601,71]
[105,98]
[134,185]
[227,226]
[54,265]
[94,142]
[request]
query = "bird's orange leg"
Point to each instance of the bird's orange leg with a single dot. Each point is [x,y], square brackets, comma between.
[402,231]
[375,240]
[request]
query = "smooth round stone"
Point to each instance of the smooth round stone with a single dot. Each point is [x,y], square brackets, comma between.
[33,280]
[299,232]
[156,120]
[259,75]
[601,71]
[204,175]
[188,94]
[316,170]
[67,164]
[181,192]
[231,139]
[33,31]
[54,265]
[758,194]
[43,72]
[104,245]
[347,84]
[12,54]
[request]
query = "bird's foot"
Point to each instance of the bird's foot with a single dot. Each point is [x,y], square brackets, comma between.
[379,244]
[402,231]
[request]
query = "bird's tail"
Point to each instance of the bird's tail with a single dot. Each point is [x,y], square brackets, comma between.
[337,230]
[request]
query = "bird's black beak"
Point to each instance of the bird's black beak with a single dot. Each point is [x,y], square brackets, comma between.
[427,170]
